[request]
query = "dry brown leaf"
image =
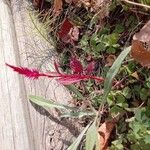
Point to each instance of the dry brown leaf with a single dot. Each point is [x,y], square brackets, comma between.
[76,2]
[98,6]
[110,60]
[74,33]
[140,53]
[57,7]
[68,1]
[140,50]
[135,75]
[37,3]
[144,34]
[104,133]
[72,1]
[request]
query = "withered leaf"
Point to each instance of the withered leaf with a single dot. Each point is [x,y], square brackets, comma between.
[110,60]
[74,33]
[140,50]
[64,31]
[57,7]
[140,53]
[104,132]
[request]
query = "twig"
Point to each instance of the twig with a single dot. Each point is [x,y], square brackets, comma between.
[138,12]
[137,4]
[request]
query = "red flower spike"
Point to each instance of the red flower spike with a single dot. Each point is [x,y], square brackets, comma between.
[30,73]
[65,79]
[76,66]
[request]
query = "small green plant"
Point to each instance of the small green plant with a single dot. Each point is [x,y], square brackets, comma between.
[102,41]
[139,133]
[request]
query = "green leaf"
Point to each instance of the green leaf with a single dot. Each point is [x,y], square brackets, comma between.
[120,98]
[113,71]
[117,145]
[91,137]
[79,114]
[119,28]
[111,50]
[115,110]
[127,92]
[147,139]
[112,39]
[47,103]
[76,143]
[143,94]
[84,41]
[100,47]
[75,91]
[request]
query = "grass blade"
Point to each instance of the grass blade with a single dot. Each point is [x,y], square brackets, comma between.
[78,114]
[91,137]
[47,103]
[113,71]
[76,143]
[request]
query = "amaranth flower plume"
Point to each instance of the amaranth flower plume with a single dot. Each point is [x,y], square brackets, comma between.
[62,78]
[30,73]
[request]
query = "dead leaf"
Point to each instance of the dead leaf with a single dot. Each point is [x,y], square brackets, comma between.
[75,2]
[140,50]
[135,75]
[37,3]
[141,53]
[110,60]
[104,133]
[68,1]
[71,1]
[64,31]
[57,7]
[144,34]
[94,5]
[74,33]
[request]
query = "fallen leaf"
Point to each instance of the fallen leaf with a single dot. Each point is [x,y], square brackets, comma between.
[64,30]
[71,1]
[135,75]
[37,3]
[141,46]
[77,3]
[140,53]
[144,34]
[110,60]
[74,33]
[57,7]
[105,131]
